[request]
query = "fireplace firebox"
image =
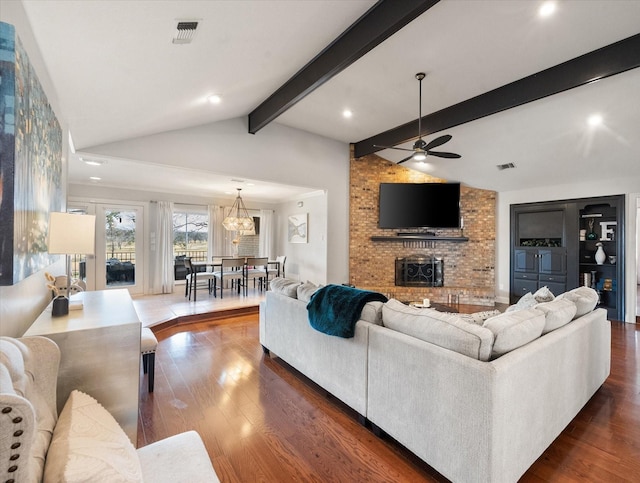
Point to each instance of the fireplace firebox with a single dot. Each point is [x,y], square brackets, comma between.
[419,271]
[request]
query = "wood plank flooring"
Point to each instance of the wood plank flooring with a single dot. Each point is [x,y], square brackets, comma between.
[262,421]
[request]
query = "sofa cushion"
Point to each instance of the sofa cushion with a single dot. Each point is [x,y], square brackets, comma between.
[89,445]
[285,286]
[585,299]
[445,330]
[372,312]
[304,291]
[515,329]
[557,313]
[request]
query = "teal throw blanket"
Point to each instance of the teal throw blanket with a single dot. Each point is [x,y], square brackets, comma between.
[335,309]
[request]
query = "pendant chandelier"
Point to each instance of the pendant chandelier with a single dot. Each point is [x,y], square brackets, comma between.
[238,219]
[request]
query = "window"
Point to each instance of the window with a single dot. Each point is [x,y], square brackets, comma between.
[190,232]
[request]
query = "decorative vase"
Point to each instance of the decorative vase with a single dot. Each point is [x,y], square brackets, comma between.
[600,256]
[60,306]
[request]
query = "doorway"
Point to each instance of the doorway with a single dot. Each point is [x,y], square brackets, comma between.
[119,253]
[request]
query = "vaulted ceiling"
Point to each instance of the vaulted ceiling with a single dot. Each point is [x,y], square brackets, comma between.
[119,76]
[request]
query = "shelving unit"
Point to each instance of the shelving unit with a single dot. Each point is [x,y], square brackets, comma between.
[554,243]
[600,225]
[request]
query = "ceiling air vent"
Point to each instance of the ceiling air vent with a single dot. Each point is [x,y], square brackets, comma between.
[185,32]
[502,167]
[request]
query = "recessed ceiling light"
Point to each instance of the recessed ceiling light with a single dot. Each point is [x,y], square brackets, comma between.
[347,113]
[594,120]
[547,9]
[214,99]
[94,178]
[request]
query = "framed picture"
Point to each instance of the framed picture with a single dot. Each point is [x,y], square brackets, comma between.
[298,228]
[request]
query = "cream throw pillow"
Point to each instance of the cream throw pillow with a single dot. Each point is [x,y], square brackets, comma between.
[89,445]
[585,299]
[557,313]
[306,290]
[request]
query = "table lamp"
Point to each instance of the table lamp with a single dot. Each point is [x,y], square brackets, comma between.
[70,234]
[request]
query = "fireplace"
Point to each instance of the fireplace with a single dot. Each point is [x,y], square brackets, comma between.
[419,271]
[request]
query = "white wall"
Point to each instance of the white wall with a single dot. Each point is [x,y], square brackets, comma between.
[277,153]
[305,261]
[20,304]
[605,187]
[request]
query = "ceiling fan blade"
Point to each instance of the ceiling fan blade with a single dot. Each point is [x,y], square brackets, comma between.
[405,159]
[438,142]
[392,147]
[441,154]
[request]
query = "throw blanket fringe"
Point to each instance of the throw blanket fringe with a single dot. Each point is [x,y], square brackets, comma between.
[335,309]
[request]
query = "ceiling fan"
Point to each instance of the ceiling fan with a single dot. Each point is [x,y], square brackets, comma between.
[421,149]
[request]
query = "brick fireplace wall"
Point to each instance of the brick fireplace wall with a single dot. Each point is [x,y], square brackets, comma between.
[469,267]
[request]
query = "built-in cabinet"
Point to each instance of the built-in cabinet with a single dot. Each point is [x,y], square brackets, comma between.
[554,244]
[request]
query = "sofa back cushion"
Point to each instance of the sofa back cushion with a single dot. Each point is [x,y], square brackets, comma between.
[515,329]
[557,313]
[445,330]
[285,286]
[585,299]
[305,290]
[372,312]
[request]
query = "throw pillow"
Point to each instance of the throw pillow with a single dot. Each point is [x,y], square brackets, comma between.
[543,295]
[557,313]
[285,286]
[514,329]
[525,302]
[478,318]
[89,445]
[585,299]
[305,290]
[444,330]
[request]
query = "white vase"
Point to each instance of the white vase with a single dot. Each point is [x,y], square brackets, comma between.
[600,255]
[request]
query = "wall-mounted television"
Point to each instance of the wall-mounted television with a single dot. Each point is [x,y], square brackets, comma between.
[419,205]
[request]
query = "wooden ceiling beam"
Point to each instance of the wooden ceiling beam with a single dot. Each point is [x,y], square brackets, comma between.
[596,65]
[381,21]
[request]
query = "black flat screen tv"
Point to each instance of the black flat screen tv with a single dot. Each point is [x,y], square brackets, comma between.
[419,205]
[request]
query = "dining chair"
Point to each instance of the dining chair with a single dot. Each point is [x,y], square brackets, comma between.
[231,269]
[192,279]
[256,268]
[279,268]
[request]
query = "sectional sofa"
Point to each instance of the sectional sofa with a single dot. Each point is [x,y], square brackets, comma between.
[478,400]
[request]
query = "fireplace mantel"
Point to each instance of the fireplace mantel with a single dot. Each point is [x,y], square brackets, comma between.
[420,237]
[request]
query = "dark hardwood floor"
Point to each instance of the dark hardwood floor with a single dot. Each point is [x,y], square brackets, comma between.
[262,421]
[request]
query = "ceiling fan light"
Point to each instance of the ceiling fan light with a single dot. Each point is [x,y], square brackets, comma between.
[419,157]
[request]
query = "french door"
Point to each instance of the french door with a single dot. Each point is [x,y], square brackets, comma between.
[119,253]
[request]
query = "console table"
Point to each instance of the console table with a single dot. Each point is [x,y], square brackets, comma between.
[100,352]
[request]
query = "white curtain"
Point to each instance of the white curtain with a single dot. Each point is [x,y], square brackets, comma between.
[267,234]
[217,242]
[163,280]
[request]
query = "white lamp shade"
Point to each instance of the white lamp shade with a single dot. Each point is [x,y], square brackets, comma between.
[70,233]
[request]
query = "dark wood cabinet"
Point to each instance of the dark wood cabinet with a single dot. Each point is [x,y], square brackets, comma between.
[554,244]
[534,268]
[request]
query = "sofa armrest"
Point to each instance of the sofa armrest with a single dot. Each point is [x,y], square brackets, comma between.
[178,459]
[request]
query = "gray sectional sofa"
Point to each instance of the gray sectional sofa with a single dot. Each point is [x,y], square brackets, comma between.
[477,400]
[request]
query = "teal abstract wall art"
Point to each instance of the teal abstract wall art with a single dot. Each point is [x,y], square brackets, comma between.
[30,164]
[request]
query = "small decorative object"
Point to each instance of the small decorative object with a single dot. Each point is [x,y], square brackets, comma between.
[60,306]
[586,279]
[608,285]
[612,259]
[591,234]
[608,230]
[593,279]
[583,235]
[600,256]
